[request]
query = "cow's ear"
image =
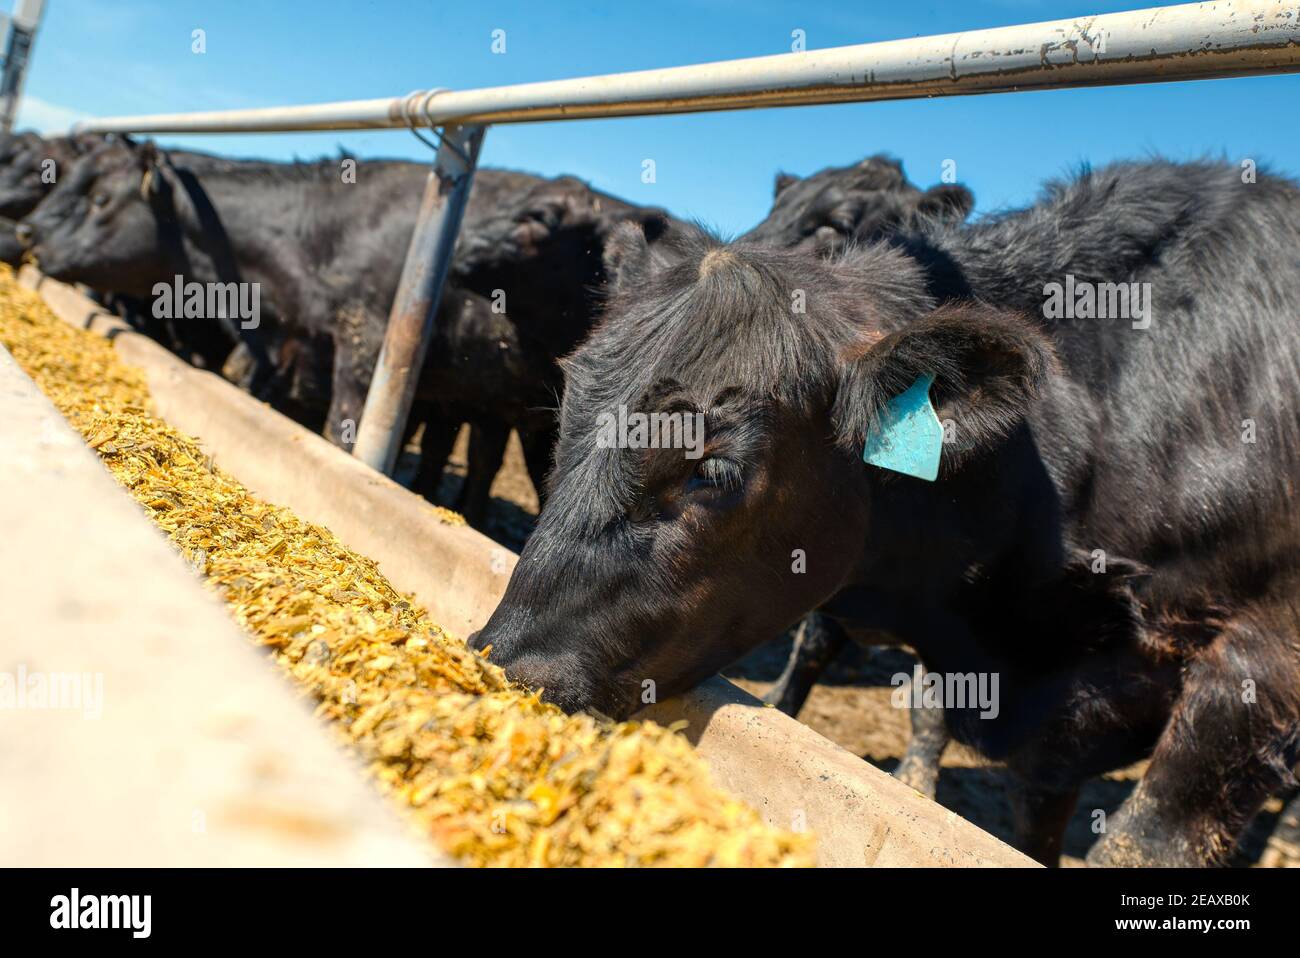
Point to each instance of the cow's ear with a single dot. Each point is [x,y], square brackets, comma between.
[626,256]
[653,221]
[979,368]
[783,182]
[146,154]
[948,203]
[654,224]
[156,170]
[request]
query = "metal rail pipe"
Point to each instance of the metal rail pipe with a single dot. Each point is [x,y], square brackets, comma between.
[1193,41]
[410,321]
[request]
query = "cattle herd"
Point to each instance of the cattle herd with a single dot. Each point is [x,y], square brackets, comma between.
[1112,534]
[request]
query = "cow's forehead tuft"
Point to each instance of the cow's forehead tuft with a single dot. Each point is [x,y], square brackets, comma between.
[713,259]
[723,317]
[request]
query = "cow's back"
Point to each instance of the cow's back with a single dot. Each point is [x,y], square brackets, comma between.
[1175,435]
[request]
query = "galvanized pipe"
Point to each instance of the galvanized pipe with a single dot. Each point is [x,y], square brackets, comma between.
[410,321]
[1193,41]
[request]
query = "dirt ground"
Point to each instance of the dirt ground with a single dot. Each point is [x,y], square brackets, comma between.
[851,707]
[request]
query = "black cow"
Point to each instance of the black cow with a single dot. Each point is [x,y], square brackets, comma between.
[120,224]
[849,204]
[325,251]
[1113,536]
[524,289]
[13,146]
[29,168]
[541,254]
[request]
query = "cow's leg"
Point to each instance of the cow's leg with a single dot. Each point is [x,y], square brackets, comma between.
[919,767]
[818,639]
[347,399]
[1233,739]
[1039,816]
[289,354]
[435,448]
[487,449]
[306,395]
[238,367]
[358,335]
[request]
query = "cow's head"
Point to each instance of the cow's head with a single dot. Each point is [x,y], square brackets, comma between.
[11,249]
[18,174]
[542,244]
[11,144]
[663,565]
[30,171]
[24,181]
[855,203]
[111,221]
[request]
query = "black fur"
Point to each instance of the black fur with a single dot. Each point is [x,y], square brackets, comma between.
[853,204]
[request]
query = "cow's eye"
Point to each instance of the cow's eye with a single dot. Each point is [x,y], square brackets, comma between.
[100,199]
[716,471]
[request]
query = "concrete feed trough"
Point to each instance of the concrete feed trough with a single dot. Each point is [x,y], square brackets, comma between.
[787,772]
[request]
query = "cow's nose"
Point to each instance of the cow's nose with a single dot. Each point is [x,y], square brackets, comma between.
[24,233]
[560,678]
[560,674]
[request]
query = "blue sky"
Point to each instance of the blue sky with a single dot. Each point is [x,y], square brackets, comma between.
[106,57]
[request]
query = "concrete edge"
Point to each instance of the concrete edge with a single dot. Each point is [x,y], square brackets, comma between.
[138,726]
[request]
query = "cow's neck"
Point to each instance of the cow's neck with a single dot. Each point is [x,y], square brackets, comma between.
[930,544]
[245,229]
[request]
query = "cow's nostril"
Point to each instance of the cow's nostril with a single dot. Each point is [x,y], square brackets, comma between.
[473,641]
[24,233]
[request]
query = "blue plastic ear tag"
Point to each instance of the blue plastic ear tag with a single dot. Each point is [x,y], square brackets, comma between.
[909,436]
